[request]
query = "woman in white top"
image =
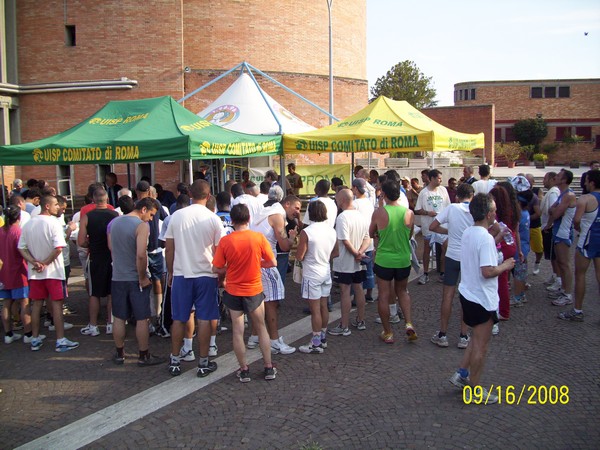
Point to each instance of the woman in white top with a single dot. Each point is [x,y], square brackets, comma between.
[317,246]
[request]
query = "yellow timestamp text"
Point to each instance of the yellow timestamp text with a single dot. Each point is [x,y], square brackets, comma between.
[516,395]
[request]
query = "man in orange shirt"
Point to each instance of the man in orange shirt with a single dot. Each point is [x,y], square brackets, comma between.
[240,256]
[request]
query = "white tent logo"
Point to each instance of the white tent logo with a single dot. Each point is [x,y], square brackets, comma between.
[223,115]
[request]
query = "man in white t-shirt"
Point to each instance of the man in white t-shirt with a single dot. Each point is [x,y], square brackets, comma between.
[352,230]
[478,291]
[371,193]
[250,200]
[365,207]
[485,184]
[549,199]
[321,189]
[433,198]
[41,244]
[453,221]
[191,240]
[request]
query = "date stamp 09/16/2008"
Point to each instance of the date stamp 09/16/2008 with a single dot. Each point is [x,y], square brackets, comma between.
[511,395]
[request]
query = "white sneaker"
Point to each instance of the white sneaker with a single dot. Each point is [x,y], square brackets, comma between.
[13,338]
[252,342]
[90,330]
[109,328]
[555,286]
[65,345]
[563,300]
[536,268]
[29,339]
[187,355]
[279,346]
[550,280]
[213,350]
[66,326]
[495,330]
[424,279]
[463,342]
[393,319]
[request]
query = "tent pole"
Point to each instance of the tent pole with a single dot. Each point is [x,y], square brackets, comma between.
[224,175]
[432,159]
[129,177]
[352,167]
[3,191]
[191,174]
[194,92]
[282,172]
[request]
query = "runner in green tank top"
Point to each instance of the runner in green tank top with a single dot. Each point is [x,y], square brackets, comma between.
[392,227]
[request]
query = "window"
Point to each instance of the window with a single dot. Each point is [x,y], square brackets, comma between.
[564,92]
[536,92]
[466,94]
[70,36]
[460,94]
[550,92]
[498,135]
[473,94]
[510,135]
[584,132]
[597,146]
[562,133]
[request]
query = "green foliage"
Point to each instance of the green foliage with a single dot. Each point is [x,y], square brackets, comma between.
[530,131]
[405,81]
[549,148]
[510,150]
[540,157]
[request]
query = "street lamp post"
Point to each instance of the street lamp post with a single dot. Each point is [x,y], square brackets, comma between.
[329,2]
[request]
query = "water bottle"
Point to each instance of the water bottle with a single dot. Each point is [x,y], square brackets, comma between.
[506,233]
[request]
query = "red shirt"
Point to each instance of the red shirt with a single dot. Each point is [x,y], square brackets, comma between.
[13,274]
[87,208]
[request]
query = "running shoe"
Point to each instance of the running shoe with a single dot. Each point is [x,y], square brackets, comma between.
[174,366]
[64,345]
[440,341]
[387,338]
[66,326]
[187,355]
[393,319]
[270,373]
[206,369]
[311,348]
[424,279]
[411,333]
[571,315]
[36,344]
[279,346]
[463,342]
[339,331]
[359,324]
[243,375]
[458,381]
[29,339]
[90,330]
[150,360]
[563,300]
[252,342]
[13,338]
[213,350]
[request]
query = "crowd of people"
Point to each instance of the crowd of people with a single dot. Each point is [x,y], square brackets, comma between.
[175,265]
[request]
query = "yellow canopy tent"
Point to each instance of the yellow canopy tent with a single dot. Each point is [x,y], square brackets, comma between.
[384,125]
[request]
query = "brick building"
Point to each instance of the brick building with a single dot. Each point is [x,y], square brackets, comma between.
[569,107]
[62,60]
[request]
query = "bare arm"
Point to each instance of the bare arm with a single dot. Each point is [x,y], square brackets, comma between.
[170,257]
[141,260]
[494,271]
[335,252]
[302,246]
[557,211]
[579,211]
[436,227]
[82,237]
[278,224]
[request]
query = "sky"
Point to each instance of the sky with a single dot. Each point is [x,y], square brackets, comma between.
[484,40]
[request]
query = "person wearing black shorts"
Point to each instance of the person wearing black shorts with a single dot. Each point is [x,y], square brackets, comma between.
[478,290]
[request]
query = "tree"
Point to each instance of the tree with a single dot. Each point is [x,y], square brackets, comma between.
[530,131]
[405,81]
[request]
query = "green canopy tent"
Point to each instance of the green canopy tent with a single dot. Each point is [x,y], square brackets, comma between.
[154,129]
[145,130]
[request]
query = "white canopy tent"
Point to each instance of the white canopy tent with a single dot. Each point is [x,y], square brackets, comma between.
[247,108]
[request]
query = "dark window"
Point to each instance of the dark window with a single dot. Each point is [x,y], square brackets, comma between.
[584,132]
[564,91]
[455,96]
[460,94]
[509,135]
[550,92]
[70,36]
[562,133]
[536,92]
[498,135]
[466,94]
[473,94]
[597,146]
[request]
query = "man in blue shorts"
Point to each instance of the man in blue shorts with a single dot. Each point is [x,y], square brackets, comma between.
[191,240]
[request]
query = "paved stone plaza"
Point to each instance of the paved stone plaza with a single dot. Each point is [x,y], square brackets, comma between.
[360,393]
